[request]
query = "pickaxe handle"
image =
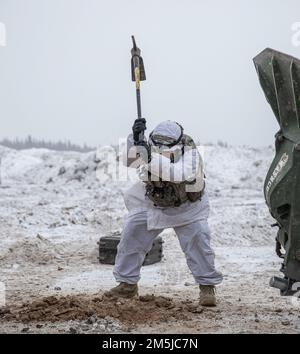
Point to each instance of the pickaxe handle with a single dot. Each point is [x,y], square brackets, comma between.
[138,75]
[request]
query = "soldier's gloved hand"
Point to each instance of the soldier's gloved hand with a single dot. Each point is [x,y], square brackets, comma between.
[144,151]
[138,127]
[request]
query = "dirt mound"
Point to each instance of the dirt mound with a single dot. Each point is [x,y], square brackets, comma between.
[142,310]
[37,250]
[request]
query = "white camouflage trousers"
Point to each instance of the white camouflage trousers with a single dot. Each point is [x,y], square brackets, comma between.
[136,242]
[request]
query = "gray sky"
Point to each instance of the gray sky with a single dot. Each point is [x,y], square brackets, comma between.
[65,72]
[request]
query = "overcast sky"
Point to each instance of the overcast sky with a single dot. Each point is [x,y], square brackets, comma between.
[65,72]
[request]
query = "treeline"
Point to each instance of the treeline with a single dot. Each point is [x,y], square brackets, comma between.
[29,143]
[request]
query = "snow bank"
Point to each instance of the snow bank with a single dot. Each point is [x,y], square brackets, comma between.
[58,195]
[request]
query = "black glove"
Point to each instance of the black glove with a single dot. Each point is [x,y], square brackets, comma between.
[139,126]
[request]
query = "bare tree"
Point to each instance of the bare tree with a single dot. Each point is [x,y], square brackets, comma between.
[31,142]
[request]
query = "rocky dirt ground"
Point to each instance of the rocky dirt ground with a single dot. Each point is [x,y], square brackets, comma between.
[54,210]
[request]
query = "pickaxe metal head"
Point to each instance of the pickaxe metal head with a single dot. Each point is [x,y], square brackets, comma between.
[137,62]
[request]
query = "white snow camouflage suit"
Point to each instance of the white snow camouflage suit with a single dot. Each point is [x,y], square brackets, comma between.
[145,221]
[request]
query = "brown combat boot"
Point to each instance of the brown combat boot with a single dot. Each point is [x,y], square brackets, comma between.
[123,290]
[207,295]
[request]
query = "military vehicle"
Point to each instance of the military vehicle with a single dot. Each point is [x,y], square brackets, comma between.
[279,76]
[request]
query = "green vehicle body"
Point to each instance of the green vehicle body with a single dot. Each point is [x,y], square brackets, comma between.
[279,76]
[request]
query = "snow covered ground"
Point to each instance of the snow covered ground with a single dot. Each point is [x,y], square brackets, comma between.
[53,210]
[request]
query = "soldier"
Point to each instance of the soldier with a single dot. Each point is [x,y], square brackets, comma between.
[170,195]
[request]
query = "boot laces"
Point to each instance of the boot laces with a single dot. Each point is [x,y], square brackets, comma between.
[209,290]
